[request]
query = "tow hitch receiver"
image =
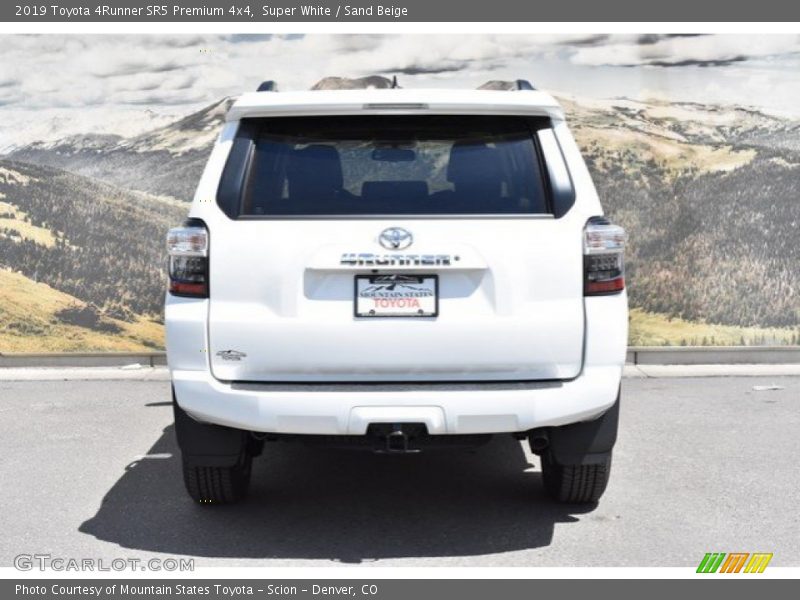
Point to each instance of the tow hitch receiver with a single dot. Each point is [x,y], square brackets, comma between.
[397,438]
[397,442]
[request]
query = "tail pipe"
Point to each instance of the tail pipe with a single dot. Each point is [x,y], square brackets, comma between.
[539,441]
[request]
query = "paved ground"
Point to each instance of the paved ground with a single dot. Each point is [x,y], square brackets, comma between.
[89,468]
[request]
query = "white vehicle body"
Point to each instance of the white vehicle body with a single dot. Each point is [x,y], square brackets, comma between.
[516,345]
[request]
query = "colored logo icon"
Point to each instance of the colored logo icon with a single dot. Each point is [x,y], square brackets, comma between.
[734,562]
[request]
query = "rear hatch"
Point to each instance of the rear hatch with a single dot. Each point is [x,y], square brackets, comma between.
[392,248]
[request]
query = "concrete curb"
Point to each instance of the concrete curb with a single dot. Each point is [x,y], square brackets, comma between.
[637,355]
[82,359]
[713,355]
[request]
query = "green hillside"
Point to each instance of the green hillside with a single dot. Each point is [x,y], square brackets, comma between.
[650,329]
[81,262]
[100,244]
[713,217]
[32,320]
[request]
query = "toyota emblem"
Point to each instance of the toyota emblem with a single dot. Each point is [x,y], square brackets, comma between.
[395,238]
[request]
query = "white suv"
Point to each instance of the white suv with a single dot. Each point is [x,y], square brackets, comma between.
[396,270]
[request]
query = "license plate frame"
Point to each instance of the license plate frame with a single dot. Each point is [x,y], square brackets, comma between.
[412,279]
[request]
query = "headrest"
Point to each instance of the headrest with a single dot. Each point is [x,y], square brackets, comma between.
[317,163]
[473,162]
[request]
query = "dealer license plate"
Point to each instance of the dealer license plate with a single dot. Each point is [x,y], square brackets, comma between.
[397,295]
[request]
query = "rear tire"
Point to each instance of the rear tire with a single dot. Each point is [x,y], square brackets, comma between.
[576,484]
[217,460]
[218,485]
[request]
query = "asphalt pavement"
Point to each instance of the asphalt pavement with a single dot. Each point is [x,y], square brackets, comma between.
[703,464]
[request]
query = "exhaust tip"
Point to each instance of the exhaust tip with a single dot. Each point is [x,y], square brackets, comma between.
[538,441]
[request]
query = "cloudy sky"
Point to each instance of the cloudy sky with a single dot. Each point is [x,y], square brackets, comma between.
[58,84]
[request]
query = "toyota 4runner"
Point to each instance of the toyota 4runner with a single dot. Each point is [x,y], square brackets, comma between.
[396,270]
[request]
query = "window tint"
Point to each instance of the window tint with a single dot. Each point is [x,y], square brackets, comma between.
[390,165]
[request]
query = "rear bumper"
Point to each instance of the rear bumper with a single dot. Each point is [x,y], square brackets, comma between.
[348,409]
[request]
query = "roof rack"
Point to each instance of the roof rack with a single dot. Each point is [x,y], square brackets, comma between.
[268,86]
[501,85]
[516,85]
[359,83]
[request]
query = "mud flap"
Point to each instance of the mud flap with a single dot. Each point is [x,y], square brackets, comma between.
[206,445]
[585,443]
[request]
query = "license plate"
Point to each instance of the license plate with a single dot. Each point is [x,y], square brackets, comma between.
[397,296]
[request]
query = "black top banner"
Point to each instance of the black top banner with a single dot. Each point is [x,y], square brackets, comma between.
[400,11]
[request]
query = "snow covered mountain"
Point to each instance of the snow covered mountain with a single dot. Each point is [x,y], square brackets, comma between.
[20,128]
[164,161]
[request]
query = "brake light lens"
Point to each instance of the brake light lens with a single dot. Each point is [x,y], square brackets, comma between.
[603,257]
[188,261]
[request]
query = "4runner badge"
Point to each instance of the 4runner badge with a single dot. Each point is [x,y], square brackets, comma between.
[231,355]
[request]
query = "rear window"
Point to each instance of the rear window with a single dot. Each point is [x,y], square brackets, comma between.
[384,165]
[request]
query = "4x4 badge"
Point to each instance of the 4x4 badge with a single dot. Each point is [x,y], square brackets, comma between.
[231,355]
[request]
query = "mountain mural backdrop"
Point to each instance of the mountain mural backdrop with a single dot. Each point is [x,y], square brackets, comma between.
[709,194]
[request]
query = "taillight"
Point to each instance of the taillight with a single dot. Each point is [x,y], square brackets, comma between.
[603,260]
[188,260]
